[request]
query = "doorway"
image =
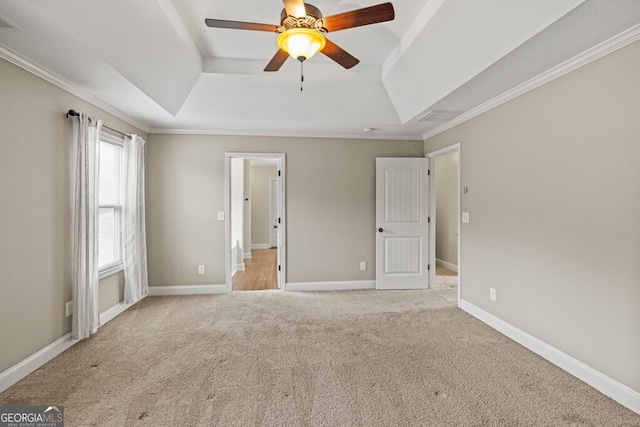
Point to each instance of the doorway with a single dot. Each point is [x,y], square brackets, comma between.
[445,218]
[255,201]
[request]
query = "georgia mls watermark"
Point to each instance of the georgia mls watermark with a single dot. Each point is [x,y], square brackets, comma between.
[31,416]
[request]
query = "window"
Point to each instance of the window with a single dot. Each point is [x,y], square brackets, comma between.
[110,194]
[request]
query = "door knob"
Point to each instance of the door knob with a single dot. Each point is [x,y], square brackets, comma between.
[380,230]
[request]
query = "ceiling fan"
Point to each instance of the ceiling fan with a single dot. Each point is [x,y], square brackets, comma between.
[302,31]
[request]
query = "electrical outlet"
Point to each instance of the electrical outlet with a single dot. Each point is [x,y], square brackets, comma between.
[220,216]
[465,217]
[363,265]
[201,269]
[492,294]
[68,309]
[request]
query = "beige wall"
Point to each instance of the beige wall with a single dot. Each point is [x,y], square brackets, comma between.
[554,199]
[330,204]
[447,195]
[111,291]
[260,226]
[35,189]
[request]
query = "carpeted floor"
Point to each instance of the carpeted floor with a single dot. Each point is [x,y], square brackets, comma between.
[447,279]
[357,358]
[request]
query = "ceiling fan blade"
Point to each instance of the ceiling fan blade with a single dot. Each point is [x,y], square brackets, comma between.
[339,55]
[277,61]
[295,8]
[238,25]
[357,18]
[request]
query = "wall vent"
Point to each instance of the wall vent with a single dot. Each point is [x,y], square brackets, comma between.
[440,116]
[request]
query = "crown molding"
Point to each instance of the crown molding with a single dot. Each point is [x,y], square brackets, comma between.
[67,86]
[621,40]
[285,134]
[73,89]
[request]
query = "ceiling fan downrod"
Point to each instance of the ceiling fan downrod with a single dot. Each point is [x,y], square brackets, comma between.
[301,59]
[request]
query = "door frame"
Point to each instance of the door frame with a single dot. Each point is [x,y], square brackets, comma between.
[282,194]
[432,211]
[272,217]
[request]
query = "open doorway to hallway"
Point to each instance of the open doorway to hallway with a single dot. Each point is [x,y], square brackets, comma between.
[256,222]
[445,214]
[260,271]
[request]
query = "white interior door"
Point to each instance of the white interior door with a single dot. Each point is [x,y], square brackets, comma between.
[402,212]
[273,212]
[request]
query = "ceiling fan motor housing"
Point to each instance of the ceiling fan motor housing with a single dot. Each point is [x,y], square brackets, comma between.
[312,20]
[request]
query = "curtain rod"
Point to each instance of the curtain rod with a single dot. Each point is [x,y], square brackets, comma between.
[74,113]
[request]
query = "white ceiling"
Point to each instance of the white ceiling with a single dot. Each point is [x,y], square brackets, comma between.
[156,64]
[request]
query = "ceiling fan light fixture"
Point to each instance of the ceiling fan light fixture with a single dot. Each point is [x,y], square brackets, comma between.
[301,43]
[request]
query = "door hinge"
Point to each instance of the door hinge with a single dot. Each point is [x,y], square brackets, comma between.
[279,173]
[429,220]
[428,172]
[428,267]
[279,268]
[279,220]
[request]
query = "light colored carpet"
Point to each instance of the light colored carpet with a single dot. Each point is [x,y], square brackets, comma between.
[446,279]
[359,358]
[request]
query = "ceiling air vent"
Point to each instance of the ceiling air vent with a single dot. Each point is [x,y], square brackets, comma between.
[440,116]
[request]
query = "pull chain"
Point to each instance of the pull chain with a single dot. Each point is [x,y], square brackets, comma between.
[301,74]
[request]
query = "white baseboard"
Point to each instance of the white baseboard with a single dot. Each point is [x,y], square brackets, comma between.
[330,286]
[36,360]
[187,290]
[619,392]
[33,362]
[236,268]
[114,311]
[447,265]
[246,255]
[260,246]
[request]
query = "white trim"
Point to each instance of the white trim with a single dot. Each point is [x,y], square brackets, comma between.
[273,240]
[116,310]
[447,265]
[33,362]
[247,255]
[238,267]
[330,286]
[619,392]
[36,360]
[614,43]
[74,89]
[443,151]
[260,246]
[110,271]
[187,290]
[280,159]
[457,147]
[67,86]
[287,134]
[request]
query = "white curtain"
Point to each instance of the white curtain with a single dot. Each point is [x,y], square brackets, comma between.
[136,284]
[86,142]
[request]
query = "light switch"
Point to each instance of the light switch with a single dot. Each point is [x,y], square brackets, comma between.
[220,216]
[465,217]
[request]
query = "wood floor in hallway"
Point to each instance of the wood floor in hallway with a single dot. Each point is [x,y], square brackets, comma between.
[259,271]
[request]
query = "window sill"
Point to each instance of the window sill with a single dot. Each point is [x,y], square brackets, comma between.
[110,271]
